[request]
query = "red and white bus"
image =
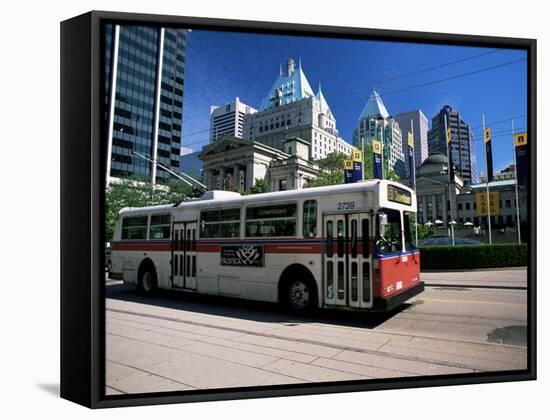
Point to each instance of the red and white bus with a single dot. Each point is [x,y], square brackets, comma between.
[343,246]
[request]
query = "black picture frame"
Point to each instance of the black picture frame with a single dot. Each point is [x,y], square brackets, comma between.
[82,210]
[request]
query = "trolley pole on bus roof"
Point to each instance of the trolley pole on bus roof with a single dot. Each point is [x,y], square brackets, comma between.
[516,184]
[487,183]
[180,177]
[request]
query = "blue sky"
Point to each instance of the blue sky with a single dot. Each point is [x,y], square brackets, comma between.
[223,65]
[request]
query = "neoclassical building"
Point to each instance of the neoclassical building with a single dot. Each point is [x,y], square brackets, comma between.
[234,164]
[436,196]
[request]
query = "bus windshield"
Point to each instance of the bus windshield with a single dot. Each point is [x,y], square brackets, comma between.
[388,231]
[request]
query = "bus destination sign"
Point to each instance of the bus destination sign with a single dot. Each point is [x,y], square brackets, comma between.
[242,255]
[399,195]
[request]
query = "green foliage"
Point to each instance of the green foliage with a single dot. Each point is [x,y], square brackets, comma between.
[462,257]
[424,232]
[334,162]
[133,192]
[260,186]
[332,171]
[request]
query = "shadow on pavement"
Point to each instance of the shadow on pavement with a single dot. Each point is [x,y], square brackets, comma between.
[246,309]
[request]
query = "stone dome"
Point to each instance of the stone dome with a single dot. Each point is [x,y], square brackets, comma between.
[435,158]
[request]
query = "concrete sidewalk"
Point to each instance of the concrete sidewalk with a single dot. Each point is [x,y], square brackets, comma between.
[514,278]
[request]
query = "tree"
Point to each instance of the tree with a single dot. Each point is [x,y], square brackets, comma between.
[260,186]
[332,171]
[135,192]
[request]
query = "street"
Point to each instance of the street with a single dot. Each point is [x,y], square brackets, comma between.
[462,323]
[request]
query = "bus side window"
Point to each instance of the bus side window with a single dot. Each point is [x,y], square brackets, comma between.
[175,268]
[194,240]
[309,219]
[365,237]
[330,234]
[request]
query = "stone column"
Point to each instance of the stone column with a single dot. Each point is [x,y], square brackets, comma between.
[207,175]
[222,178]
[424,209]
[434,207]
[237,176]
[249,176]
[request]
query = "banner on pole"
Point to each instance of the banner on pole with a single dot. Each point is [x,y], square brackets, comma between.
[349,174]
[357,158]
[481,203]
[488,153]
[522,160]
[377,159]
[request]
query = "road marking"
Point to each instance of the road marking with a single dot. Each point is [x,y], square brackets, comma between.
[483,302]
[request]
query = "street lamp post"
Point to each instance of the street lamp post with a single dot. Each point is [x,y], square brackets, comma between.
[516,185]
[487,185]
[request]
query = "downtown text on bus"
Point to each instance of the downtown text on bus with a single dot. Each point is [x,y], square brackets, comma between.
[344,246]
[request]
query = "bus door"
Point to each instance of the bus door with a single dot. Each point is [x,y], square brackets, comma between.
[184,255]
[347,260]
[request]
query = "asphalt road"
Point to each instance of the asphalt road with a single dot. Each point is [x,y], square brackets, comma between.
[175,341]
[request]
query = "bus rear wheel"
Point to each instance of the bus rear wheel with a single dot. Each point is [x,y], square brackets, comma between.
[300,295]
[148,281]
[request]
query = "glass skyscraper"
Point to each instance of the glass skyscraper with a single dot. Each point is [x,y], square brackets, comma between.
[144,73]
[463,151]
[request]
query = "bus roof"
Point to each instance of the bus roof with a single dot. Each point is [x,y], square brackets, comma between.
[227,197]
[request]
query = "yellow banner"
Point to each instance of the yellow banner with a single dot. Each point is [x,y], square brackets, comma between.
[348,164]
[410,140]
[487,134]
[377,147]
[481,204]
[520,139]
[357,156]
[448,135]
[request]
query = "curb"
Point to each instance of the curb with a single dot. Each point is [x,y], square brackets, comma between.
[476,286]
[475,269]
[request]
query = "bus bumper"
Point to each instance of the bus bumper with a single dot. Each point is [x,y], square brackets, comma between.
[387,304]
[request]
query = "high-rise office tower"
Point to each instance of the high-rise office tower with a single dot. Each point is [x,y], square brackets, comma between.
[228,119]
[463,151]
[420,131]
[144,79]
